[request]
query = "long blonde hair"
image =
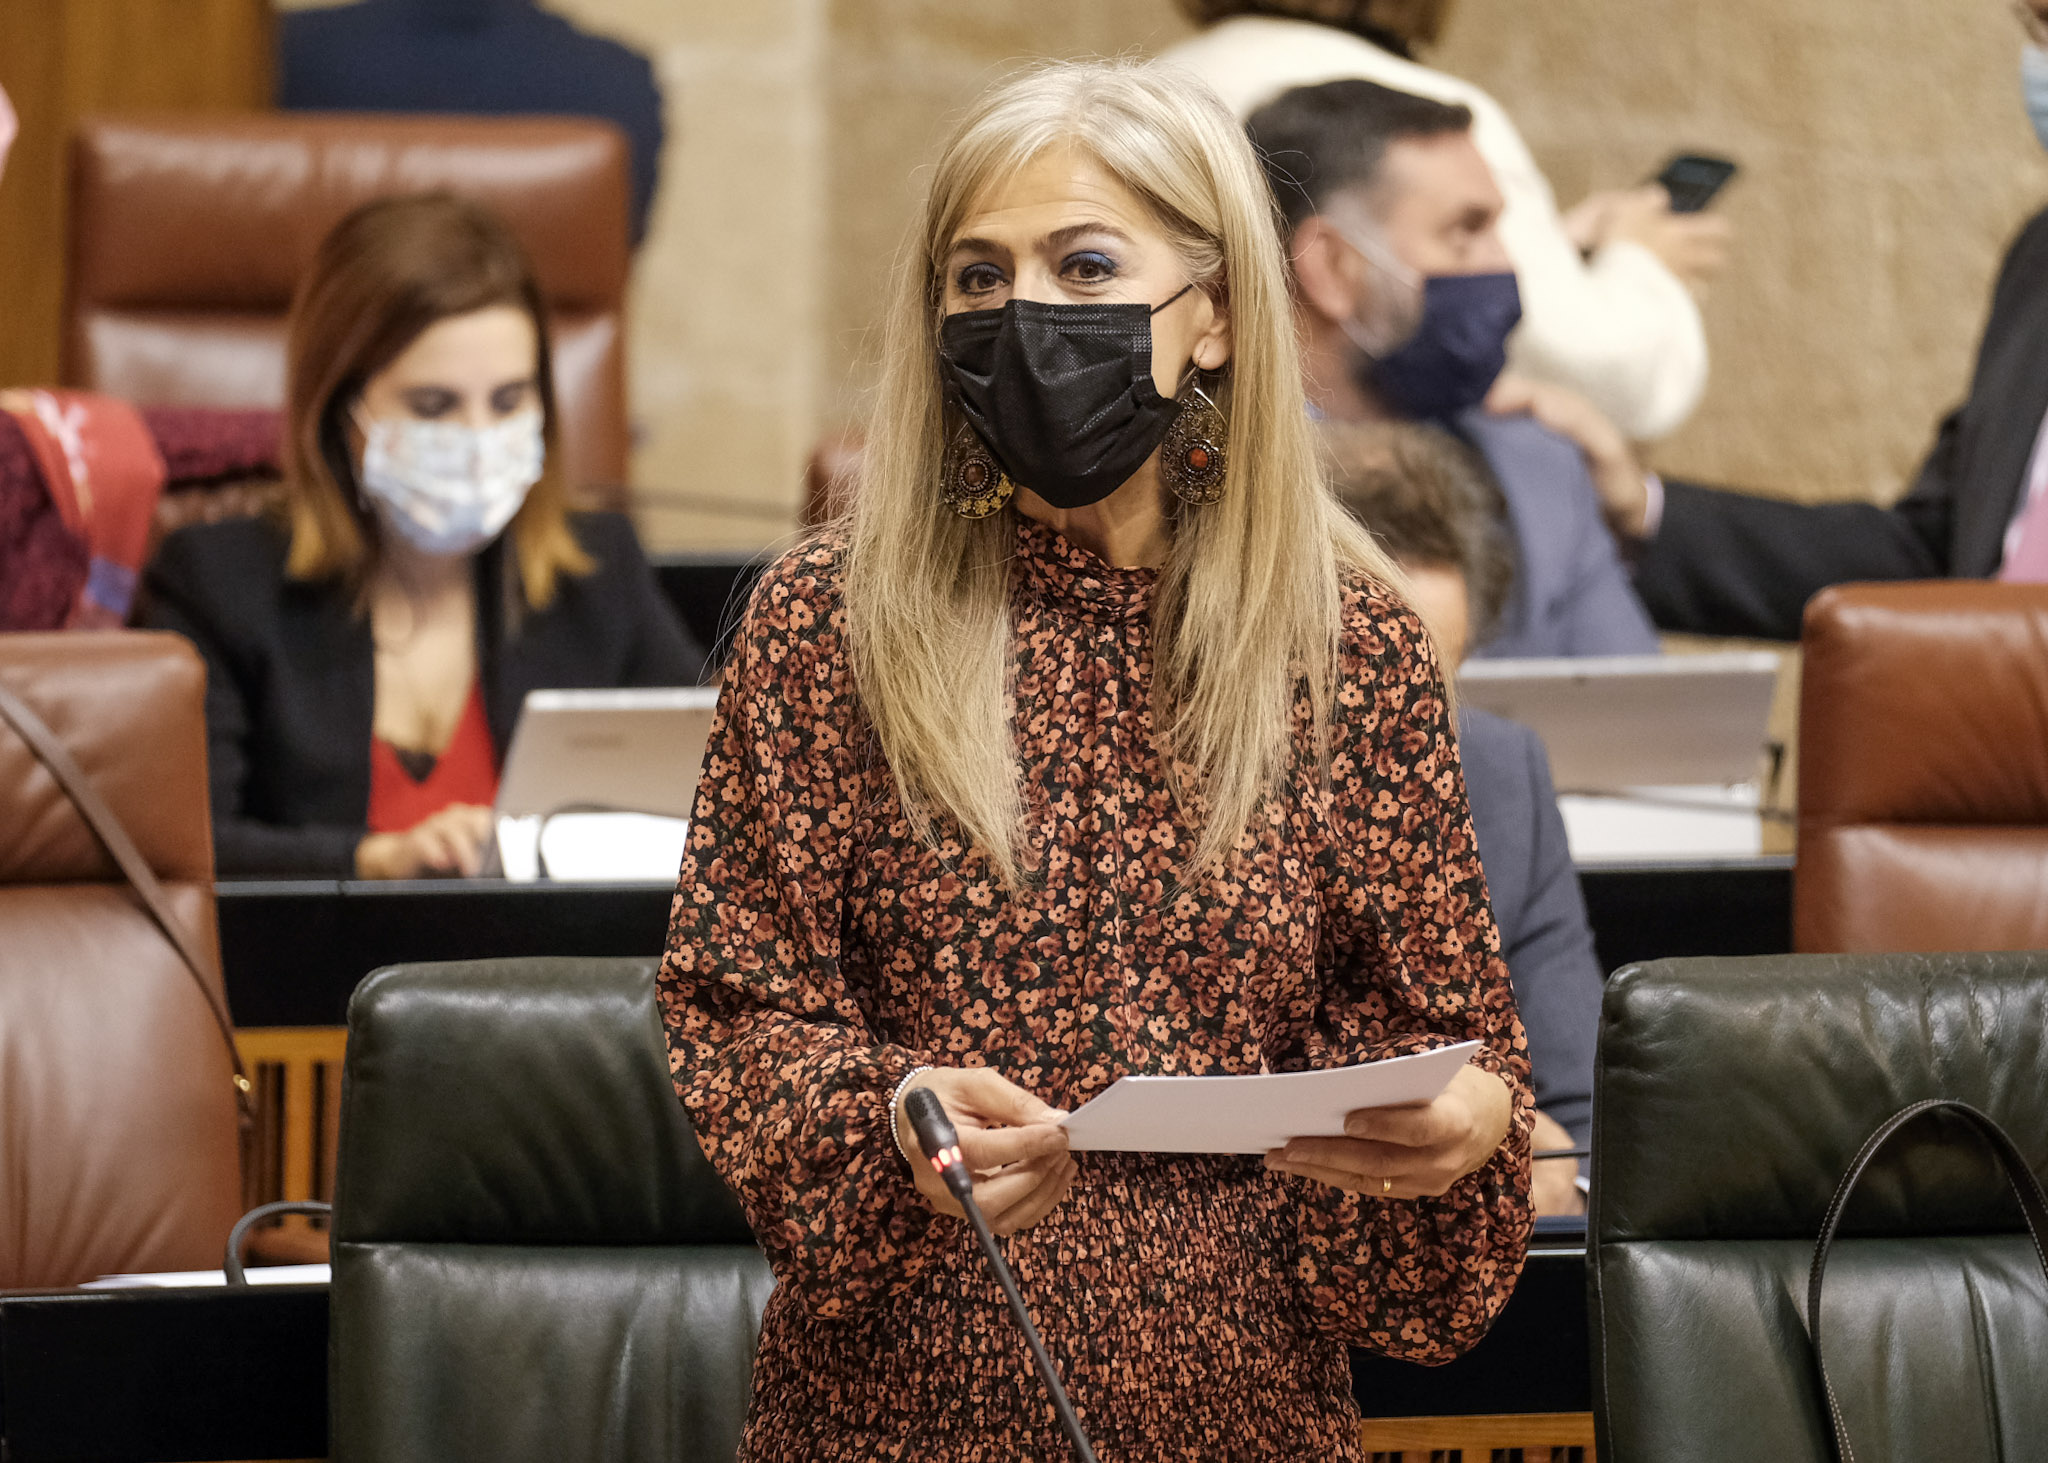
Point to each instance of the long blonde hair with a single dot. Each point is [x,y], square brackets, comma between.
[1247,604]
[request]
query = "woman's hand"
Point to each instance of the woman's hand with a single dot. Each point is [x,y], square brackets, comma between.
[1010,1141]
[1410,1152]
[1693,246]
[1589,222]
[448,842]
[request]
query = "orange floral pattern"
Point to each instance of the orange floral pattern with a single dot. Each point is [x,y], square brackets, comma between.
[1198,1307]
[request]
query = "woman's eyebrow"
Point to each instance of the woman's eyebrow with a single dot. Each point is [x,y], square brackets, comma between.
[1060,238]
[976,246]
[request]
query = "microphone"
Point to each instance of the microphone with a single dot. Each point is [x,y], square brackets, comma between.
[941,1144]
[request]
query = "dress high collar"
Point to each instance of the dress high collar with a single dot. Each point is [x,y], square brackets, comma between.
[1067,577]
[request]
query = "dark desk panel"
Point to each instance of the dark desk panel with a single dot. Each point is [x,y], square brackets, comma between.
[294,951]
[709,591]
[1537,1358]
[163,1375]
[171,1376]
[1660,911]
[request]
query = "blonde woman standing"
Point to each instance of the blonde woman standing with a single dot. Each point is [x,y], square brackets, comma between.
[1097,742]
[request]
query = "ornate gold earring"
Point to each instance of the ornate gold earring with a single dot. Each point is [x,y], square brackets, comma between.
[1192,458]
[971,482]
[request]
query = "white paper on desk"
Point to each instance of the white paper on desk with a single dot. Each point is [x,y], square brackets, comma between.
[1251,1114]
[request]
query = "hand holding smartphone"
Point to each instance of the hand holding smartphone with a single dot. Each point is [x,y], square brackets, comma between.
[1692,179]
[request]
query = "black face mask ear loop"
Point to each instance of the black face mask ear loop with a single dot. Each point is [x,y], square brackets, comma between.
[1194,375]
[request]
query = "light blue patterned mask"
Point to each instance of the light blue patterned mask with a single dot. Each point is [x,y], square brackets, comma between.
[445,487]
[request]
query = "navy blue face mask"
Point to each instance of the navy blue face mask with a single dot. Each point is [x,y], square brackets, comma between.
[1457,352]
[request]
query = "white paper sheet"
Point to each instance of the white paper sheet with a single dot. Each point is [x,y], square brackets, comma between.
[1251,1114]
[592,848]
[1664,823]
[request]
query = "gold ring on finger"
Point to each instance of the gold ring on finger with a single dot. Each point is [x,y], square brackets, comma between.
[1386,1187]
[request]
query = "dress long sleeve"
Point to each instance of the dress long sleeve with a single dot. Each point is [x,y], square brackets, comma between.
[1198,1305]
[772,1052]
[1411,961]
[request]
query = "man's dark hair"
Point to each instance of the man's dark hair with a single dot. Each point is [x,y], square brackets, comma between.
[1431,502]
[1316,141]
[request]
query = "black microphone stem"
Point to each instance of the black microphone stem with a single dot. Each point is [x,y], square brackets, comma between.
[941,1144]
[1046,1371]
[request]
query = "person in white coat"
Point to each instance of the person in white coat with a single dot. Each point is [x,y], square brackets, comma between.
[1608,308]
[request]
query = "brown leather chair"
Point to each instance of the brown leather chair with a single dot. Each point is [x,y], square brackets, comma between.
[118,1130]
[189,234]
[832,474]
[1923,769]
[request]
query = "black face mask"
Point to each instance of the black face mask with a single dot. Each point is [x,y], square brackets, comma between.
[1062,394]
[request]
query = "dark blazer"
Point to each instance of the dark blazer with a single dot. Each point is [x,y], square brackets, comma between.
[1724,563]
[481,57]
[1541,913]
[290,674]
[1571,594]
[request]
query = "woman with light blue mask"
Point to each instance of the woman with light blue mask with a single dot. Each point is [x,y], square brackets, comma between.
[2033,15]
[369,648]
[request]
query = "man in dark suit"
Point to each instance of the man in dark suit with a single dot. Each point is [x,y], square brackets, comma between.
[1413,487]
[1728,564]
[1406,297]
[1717,562]
[488,57]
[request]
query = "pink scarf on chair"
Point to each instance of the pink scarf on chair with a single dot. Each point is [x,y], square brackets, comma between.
[103,472]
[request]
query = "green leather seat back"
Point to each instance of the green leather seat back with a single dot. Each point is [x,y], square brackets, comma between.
[532,1259]
[1730,1096]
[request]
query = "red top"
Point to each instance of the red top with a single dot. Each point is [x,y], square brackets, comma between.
[465,772]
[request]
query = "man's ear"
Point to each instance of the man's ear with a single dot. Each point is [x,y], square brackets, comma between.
[1327,270]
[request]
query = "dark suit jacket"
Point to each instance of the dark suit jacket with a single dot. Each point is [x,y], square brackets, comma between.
[1571,594]
[1726,564]
[1537,904]
[290,674]
[479,57]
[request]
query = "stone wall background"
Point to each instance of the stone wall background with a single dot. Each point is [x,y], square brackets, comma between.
[1887,161]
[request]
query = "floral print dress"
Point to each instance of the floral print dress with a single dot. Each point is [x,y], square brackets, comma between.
[1197,1307]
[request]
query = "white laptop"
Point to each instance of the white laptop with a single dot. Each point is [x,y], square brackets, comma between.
[1653,756]
[597,785]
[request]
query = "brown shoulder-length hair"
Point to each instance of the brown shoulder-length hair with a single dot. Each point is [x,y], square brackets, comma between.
[387,272]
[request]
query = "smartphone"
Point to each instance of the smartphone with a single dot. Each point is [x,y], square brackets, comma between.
[1692,179]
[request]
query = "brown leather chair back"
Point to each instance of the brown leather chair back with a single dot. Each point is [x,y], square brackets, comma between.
[832,475]
[189,235]
[118,1135]
[1923,769]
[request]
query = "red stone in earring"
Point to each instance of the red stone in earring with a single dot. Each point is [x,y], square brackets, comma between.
[1192,458]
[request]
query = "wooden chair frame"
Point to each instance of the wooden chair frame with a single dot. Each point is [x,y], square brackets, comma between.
[1512,1437]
